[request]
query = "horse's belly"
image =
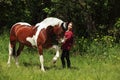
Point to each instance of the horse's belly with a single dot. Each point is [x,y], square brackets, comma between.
[27,40]
[47,45]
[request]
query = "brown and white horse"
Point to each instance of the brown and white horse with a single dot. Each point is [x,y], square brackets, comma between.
[43,35]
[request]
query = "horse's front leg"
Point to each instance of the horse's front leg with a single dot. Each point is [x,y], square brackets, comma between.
[41,57]
[57,49]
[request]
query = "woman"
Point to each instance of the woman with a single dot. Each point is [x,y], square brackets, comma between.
[66,46]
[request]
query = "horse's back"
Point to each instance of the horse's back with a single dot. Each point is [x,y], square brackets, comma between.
[19,25]
[20,31]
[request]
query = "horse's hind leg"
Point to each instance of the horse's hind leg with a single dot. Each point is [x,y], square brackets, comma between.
[21,46]
[11,51]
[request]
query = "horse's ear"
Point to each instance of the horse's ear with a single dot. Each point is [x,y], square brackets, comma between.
[64,26]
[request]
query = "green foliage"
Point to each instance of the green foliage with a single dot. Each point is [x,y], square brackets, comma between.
[81,45]
[117,24]
[100,46]
[88,16]
[96,46]
[48,11]
[115,31]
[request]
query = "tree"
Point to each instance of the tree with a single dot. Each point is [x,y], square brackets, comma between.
[88,16]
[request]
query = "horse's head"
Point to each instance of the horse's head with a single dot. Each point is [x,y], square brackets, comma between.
[59,30]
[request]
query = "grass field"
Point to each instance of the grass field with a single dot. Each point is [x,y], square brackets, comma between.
[85,67]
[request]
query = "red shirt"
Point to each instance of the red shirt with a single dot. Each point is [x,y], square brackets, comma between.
[69,40]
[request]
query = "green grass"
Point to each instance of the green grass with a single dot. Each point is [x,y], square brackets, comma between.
[85,67]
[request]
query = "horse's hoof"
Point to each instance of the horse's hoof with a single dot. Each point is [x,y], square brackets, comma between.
[54,61]
[17,65]
[43,70]
[8,65]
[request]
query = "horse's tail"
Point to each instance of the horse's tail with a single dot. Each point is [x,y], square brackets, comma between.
[12,50]
[12,42]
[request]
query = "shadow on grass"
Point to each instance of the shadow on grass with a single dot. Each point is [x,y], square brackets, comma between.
[60,68]
[30,64]
[50,67]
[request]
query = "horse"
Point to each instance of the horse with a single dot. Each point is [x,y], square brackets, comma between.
[46,34]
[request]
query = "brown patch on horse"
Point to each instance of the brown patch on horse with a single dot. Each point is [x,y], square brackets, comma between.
[59,32]
[42,37]
[21,32]
[50,37]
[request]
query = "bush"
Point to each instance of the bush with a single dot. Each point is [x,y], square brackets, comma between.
[99,45]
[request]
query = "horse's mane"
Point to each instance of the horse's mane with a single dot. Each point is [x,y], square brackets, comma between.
[50,21]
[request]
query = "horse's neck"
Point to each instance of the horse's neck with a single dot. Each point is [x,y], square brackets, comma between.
[51,37]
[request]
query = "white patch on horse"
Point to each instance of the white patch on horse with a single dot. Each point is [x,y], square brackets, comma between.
[51,21]
[57,53]
[22,23]
[41,61]
[31,40]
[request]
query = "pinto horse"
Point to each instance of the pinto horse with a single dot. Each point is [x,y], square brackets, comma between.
[43,35]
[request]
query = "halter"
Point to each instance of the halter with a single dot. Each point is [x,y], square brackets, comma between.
[64,26]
